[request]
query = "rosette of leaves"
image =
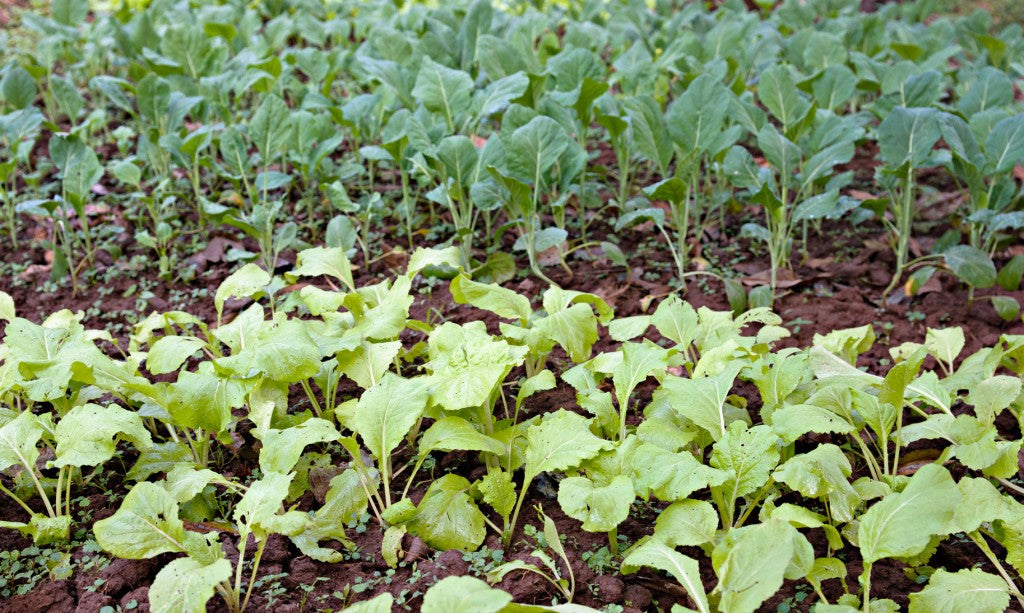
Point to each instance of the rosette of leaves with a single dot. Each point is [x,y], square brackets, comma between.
[569,319]
[86,436]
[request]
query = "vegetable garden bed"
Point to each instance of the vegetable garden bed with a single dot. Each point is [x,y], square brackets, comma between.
[617,307]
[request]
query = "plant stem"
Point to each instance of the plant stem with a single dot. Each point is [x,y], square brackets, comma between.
[252,575]
[312,398]
[14,497]
[236,592]
[904,221]
[506,536]
[865,581]
[39,486]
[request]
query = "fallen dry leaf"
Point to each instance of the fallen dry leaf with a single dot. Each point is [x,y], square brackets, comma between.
[784,279]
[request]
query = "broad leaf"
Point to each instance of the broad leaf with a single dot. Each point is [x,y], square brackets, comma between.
[965,590]
[282,448]
[561,441]
[687,523]
[85,436]
[447,517]
[443,90]
[464,594]
[466,364]
[600,507]
[908,135]
[145,525]
[971,265]
[534,148]
[902,524]
[329,261]
[185,585]
[496,299]
[751,563]
[18,439]
[702,400]
[455,433]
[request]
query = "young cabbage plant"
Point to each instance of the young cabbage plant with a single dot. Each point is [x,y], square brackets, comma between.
[86,436]
[189,153]
[569,319]
[147,524]
[402,137]
[799,185]
[987,174]
[456,165]
[19,130]
[617,126]
[312,140]
[905,523]
[695,131]
[79,170]
[560,441]
[533,154]
[905,140]
[751,564]
[580,81]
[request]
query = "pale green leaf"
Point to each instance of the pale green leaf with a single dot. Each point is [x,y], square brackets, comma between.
[145,525]
[386,412]
[455,433]
[495,298]
[903,523]
[367,363]
[447,517]
[261,502]
[965,590]
[687,523]
[18,439]
[466,364]
[748,455]
[671,475]
[169,352]
[245,282]
[185,482]
[822,472]
[185,585]
[702,400]
[601,508]
[329,261]
[282,448]
[498,491]
[6,307]
[85,436]
[751,563]
[453,594]
[561,441]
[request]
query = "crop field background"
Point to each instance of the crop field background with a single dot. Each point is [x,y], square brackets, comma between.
[631,305]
